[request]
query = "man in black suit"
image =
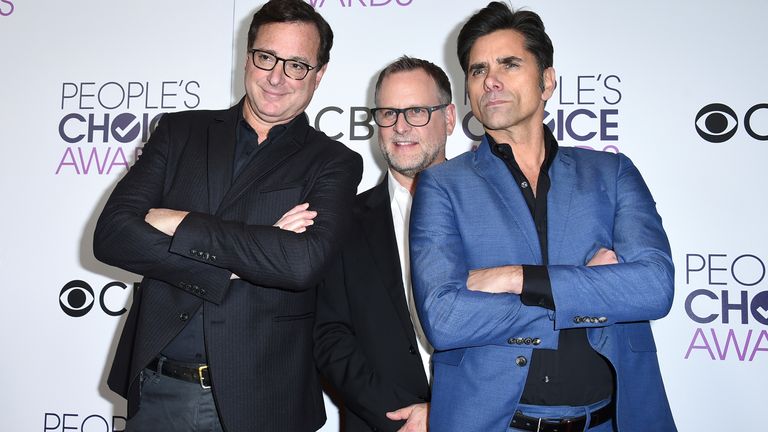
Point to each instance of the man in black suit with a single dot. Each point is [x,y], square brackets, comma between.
[368,341]
[220,332]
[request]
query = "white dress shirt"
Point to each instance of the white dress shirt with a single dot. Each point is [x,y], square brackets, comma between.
[400,201]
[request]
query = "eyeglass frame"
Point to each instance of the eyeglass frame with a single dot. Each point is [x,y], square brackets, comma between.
[398,111]
[253,51]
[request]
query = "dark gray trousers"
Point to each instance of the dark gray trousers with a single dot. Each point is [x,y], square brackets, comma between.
[171,405]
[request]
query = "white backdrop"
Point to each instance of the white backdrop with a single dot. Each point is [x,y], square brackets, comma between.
[82,81]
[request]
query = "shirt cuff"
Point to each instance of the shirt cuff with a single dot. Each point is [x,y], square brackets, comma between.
[537,290]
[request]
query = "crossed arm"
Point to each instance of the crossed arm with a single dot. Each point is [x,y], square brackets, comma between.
[131,236]
[166,221]
[462,306]
[509,279]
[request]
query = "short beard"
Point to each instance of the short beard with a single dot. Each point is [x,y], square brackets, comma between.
[410,171]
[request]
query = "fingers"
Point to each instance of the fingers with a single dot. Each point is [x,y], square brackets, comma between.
[401,414]
[297,209]
[603,257]
[297,219]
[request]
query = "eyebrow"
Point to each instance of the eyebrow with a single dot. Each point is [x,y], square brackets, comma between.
[475,66]
[509,59]
[294,58]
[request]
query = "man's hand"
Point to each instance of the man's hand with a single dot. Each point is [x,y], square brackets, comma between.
[165,220]
[297,219]
[603,257]
[416,417]
[505,279]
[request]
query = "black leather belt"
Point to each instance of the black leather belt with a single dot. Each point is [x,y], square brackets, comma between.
[575,424]
[196,373]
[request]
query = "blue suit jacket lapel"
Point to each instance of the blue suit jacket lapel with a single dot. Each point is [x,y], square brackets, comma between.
[500,180]
[562,175]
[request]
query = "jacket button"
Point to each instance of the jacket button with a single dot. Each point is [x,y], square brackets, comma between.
[602,320]
[511,341]
[182,284]
[202,292]
[521,361]
[536,341]
[411,349]
[193,251]
[528,341]
[577,320]
[184,316]
[213,257]
[519,341]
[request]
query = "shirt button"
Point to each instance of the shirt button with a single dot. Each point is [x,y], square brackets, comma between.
[524,184]
[184,316]
[521,361]
[411,349]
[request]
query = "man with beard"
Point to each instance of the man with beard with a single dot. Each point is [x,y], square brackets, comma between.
[368,341]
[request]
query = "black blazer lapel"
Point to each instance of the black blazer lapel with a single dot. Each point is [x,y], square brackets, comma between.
[221,148]
[379,231]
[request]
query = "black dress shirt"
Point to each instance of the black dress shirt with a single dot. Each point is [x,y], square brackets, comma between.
[574,374]
[189,345]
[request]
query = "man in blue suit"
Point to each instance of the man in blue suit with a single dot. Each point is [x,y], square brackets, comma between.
[536,268]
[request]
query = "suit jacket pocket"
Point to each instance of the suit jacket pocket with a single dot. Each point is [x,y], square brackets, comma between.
[305,316]
[278,199]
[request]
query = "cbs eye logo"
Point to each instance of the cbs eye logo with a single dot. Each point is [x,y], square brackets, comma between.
[77,298]
[717,123]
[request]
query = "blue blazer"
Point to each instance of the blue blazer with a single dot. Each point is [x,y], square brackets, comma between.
[468,213]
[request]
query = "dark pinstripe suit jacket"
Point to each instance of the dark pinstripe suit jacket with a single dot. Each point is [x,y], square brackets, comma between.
[258,330]
[364,339]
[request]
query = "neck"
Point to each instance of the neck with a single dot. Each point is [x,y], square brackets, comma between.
[527,144]
[403,180]
[259,125]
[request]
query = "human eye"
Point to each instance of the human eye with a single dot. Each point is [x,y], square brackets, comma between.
[387,113]
[417,110]
[510,63]
[264,58]
[297,66]
[478,70]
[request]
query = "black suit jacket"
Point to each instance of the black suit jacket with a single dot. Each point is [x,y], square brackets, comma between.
[258,330]
[364,340]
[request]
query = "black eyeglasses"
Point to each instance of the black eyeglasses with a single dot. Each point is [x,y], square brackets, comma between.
[291,68]
[414,116]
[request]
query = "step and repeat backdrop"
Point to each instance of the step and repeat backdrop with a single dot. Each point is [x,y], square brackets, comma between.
[678,86]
